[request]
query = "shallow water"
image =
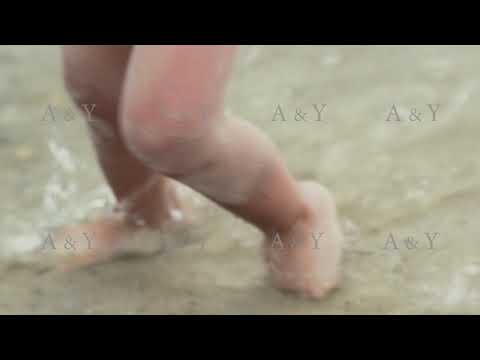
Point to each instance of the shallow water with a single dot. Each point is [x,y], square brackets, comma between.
[393,181]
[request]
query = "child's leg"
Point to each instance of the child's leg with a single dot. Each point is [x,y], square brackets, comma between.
[173,119]
[95,75]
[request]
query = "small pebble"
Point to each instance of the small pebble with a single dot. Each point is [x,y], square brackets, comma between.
[176,215]
[23,152]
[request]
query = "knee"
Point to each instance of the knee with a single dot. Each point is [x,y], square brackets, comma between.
[90,82]
[170,140]
[78,81]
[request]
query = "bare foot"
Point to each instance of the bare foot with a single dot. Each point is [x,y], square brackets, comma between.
[90,243]
[306,259]
[100,240]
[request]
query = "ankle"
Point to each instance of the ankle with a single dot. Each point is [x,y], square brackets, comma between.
[302,217]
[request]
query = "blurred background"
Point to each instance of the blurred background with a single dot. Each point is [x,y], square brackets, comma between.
[396,143]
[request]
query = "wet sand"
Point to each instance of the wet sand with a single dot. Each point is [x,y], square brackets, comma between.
[394,181]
